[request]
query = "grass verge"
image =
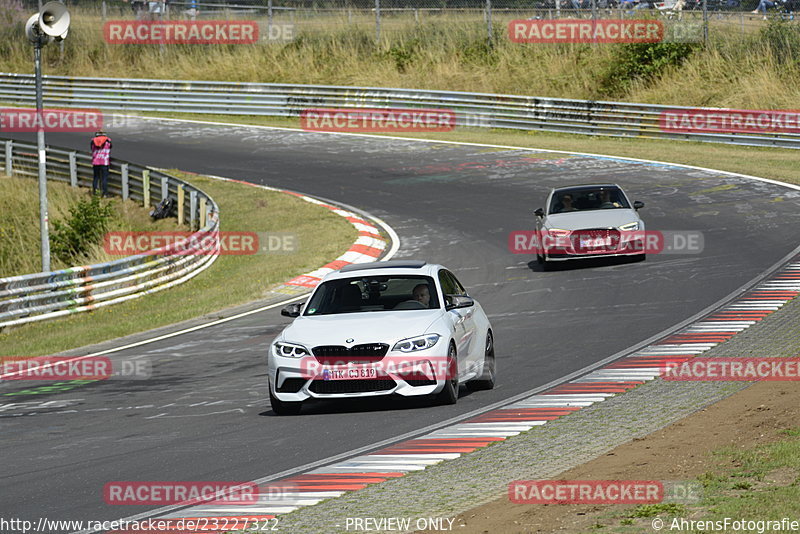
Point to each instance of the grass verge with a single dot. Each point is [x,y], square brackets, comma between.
[743,61]
[19,242]
[321,235]
[774,163]
[758,484]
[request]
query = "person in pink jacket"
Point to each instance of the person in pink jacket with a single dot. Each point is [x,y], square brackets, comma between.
[101,158]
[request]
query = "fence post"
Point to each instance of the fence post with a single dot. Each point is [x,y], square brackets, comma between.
[203,213]
[123,169]
[9,158]
[192,209]
[164,187]
[489,20]
[73,170]
[146,188]
[181,199]
[705,21]
[378,21]
[269,20]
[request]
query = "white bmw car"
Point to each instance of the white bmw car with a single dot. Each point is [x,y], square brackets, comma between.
[396,327]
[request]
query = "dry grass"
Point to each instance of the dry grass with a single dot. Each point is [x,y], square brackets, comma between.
[231,280]
[741,65]
[20,251]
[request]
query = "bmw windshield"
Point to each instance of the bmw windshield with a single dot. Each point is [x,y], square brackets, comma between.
[373,294]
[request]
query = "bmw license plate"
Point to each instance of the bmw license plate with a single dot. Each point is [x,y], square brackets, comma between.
[350,373]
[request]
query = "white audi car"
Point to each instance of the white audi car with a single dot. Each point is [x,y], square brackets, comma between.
[396,327]
[589,221]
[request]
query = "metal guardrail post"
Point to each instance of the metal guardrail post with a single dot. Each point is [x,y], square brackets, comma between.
[123,169]
[73,170]
[181,200]
[9,158]
[164,187]
[192,208]
[146,188]
[203,213]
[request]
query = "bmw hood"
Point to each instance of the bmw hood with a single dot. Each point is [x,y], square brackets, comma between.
[577,220]
[364,327]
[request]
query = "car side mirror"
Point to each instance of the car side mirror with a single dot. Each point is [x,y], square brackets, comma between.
[638,205]
[292,310]
[458,301]
[539,212]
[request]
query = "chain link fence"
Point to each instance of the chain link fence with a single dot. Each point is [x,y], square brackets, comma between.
[284,20]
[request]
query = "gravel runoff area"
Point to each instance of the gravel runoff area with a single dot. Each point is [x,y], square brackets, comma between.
[452,487]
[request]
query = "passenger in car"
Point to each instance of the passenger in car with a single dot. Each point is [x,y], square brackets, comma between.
[566,204]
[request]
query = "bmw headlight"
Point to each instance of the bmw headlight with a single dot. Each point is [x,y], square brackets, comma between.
[630,226]
[413,344]
[290,350]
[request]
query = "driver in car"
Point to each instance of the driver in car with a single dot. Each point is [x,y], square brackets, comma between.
[606,202]
[420,298]
[421,294]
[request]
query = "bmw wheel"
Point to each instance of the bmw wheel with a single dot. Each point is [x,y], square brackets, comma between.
[282,407]
[486,380]
[449,394]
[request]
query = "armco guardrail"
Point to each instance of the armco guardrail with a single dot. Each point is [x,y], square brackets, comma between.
[47,295]
[618,119]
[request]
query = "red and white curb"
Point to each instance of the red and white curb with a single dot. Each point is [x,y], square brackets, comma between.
[369,246]
[451,442]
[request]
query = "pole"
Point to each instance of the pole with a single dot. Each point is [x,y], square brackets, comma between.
[269,20]
[705,21]
[43,217]
[489,20]
[378,21]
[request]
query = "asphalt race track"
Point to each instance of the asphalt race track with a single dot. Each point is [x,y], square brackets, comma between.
[205,415]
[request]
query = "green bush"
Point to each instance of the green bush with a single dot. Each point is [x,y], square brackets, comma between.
[642,62]
[88,221]
[782,39]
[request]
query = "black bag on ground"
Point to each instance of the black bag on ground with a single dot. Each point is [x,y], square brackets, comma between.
[163,209]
